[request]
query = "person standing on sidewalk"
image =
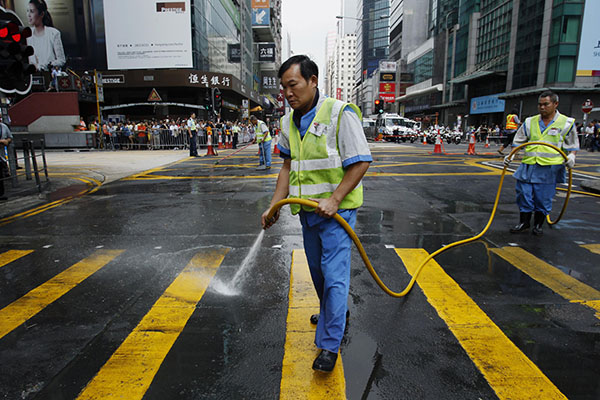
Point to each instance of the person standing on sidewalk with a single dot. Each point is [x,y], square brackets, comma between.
[512,124]
[325,155]
[192,134]
[263,138]
[542,167]
[5,139]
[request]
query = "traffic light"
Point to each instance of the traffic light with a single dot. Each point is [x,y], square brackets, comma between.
[378,106]
[217,101]
[207,101]
[15,70]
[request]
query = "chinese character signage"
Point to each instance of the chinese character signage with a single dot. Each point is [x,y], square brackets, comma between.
[261,16]
[387,66]
[266,52]
[387,87]
[269,82]
[209,80]
[338,93]
[487,104]
[234,53]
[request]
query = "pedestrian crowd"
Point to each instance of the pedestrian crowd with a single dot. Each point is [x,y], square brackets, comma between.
[589,135]
[172,133]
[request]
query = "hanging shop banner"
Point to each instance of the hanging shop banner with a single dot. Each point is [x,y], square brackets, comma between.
[338,93]
[387,77]
[487,104]
[588,63]
[269,82]
[143,44]
[387,97]
[261,16]
[266,52]
[234,53]
[387,87]
[260,4]
[387,66]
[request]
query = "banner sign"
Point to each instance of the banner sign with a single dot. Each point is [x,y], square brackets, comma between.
[270,82]
[387,77]
[260,4]
[144,44]
[387,97]
[261,16]
[387,66]
[234,53]
[266,52]
[487,104]
[588,63]
[338,93]
[387,88]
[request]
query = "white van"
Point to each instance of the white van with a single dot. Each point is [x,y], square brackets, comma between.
[395,128]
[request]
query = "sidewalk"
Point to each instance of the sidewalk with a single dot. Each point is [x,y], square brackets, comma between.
[72,171]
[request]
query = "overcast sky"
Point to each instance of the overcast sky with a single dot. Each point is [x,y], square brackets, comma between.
[308,22]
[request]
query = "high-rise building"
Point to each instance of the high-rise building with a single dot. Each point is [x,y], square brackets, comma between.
[484,57]
[372,46]
[341,68]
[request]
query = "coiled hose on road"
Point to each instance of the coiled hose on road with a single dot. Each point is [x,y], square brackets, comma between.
[410,285]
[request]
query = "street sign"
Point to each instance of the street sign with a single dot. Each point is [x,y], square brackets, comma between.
[587,106]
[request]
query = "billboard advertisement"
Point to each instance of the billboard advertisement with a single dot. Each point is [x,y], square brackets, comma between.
[270,82]
[261,16]
[387,87]
[260,4]
[588,63]
[487,104]
[148,43]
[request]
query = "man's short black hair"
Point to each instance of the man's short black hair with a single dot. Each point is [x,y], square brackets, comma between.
[308,67]
[548,93]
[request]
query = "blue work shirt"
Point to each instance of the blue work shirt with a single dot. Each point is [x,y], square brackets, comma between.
[535,173]
[310,218]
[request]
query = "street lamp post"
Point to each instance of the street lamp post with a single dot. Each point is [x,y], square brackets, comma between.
[445,79]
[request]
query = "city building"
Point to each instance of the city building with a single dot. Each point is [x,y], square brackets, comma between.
[484,57]
[372,46]
[341,68]
[151,72]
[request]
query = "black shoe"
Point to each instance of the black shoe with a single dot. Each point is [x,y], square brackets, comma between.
[538,222]
[314,319]
[325,361]
[524,223]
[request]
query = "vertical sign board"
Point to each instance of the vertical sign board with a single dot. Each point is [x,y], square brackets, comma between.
[161,36]
[266,52]
[261,16]
[588,63]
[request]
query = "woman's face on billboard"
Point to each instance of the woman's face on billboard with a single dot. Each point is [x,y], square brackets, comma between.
[33,16]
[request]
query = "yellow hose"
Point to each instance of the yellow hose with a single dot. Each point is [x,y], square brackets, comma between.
[410,285]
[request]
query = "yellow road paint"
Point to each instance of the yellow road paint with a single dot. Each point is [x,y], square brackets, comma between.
[508,371]
[553,278]
[12,255]
[594,248]
[20,310]
[130,370]
[298,379]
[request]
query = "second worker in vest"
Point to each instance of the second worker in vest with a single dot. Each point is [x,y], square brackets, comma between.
[325,155]
[263,138]
[542,167]
[512,124]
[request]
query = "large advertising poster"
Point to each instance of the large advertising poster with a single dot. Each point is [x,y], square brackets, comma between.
[148,34]
[53,28]
[588,63]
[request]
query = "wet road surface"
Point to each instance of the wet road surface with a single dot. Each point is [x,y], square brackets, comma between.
[145,289]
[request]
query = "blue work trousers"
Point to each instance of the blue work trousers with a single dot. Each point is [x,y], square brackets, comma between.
[264,149]
[535,196]
[328,250]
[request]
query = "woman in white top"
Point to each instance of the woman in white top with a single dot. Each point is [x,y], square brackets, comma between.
[45,40]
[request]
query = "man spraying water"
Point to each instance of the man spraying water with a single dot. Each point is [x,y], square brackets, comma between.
[325,155]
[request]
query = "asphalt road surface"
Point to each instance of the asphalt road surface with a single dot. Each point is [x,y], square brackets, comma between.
[160,285]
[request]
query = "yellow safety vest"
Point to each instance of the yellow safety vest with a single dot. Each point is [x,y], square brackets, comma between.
[553,134]
[260,128]
[316,166]
[510,122]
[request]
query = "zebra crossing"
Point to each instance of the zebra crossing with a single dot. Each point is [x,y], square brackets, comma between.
[132,369]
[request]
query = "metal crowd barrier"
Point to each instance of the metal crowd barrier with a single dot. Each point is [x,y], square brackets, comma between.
[30,160]
[163,139]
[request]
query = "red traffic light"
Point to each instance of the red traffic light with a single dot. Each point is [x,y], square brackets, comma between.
[377,102]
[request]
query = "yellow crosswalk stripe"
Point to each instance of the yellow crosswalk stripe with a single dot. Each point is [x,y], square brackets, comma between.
[594,248]
[298,379]
[9,256]
[130,370]
[20,310]
[553,278]
[508,371]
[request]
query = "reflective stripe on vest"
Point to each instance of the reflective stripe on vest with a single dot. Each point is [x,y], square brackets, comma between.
[261,127]
[316,166]
[510,122]
[553,134]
